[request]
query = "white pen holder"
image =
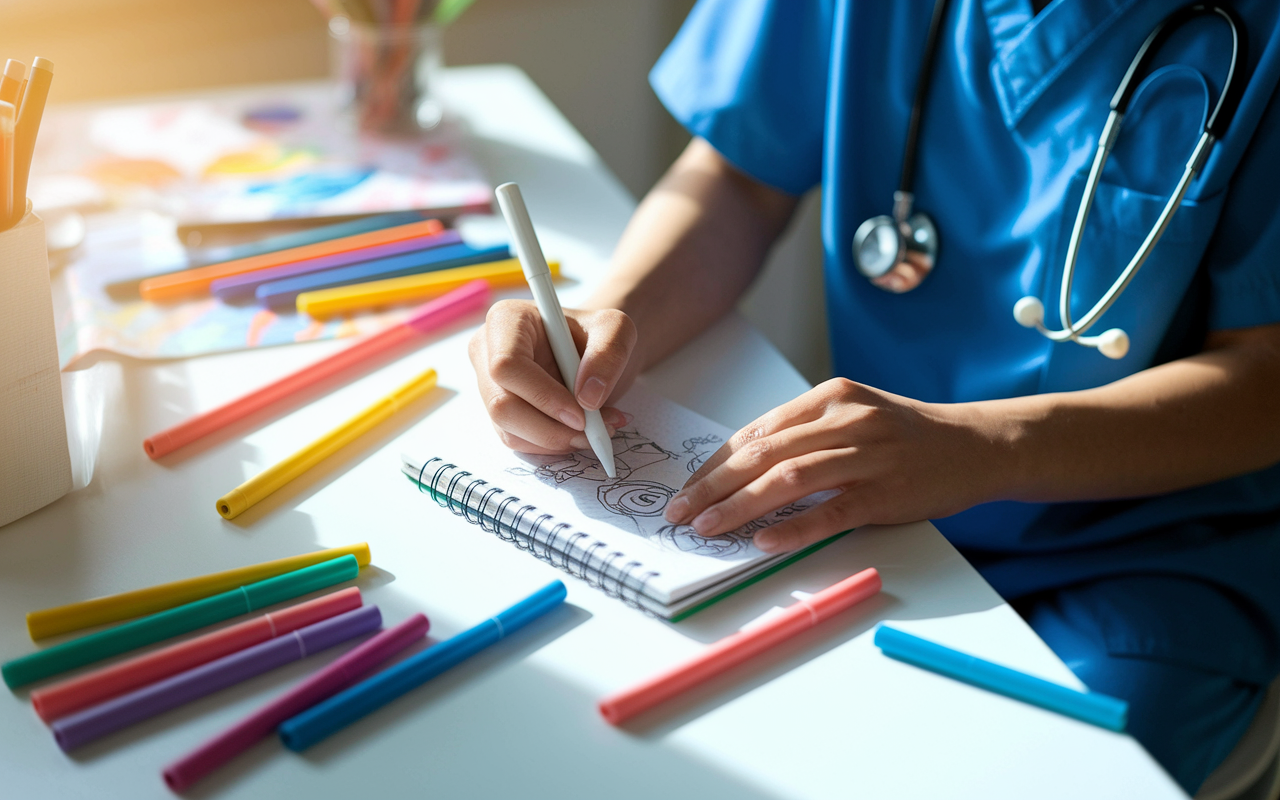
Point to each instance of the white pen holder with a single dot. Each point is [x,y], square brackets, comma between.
[35,465]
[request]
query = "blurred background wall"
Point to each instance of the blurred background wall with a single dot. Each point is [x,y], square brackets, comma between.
[591,57]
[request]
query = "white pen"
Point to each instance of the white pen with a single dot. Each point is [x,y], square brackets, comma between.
[538,274]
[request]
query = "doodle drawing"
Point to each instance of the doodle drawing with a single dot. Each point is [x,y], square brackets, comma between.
[698,449]
[686,539]
[635,498]
[631,452]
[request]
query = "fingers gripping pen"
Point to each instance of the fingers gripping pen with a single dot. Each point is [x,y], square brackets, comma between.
[538,274]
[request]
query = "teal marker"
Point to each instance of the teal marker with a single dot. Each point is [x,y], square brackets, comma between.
[174,621]
[1096,709]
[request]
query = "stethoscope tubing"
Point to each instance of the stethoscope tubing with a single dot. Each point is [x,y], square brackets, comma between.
[1219,119]
[1030,311]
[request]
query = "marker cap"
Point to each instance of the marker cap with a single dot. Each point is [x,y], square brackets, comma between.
[13,68]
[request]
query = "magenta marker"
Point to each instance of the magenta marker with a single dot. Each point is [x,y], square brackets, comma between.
[324,683]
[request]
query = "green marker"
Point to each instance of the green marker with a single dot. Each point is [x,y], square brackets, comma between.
[179,620]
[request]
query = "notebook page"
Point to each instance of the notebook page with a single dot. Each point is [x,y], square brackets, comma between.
[655,455]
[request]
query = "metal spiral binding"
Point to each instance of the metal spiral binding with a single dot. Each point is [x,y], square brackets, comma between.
[555,543]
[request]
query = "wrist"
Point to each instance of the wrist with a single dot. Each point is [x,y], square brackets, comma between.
[990,441]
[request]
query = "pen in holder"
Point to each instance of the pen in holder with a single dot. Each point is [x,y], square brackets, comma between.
[35,464]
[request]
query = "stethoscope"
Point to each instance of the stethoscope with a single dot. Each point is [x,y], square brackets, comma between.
[896,253]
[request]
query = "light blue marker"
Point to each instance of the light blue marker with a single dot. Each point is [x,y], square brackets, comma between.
[1097,709]
[300,732]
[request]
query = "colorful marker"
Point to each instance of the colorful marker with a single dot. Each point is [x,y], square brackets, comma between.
[239,288]
[327,303]
[74,694]
[196,282]
[325,683]
[115,607]
[28,126]
[175,621]
[94,722]
[359,357]
[339,711]
[246,495]
[284,293]
[1097,709]
[741,647]
[127,288]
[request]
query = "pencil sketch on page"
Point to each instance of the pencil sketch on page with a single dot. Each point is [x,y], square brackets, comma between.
[649,474]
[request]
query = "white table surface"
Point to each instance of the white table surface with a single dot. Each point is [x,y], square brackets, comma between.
[826,716]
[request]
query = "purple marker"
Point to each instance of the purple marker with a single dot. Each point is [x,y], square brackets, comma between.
[240,288]
[120,712]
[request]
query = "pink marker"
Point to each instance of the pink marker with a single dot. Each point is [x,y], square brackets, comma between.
[742,646]
[361,356]
[342,673]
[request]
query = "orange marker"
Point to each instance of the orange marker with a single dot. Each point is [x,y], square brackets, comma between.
[102,684]
[360,356]
[15,72]
[196,282]
[742,646]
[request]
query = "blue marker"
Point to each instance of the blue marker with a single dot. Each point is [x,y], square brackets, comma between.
[284,292]
[1096,709]
[316,723]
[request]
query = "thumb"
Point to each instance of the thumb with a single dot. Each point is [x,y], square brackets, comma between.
[611,338]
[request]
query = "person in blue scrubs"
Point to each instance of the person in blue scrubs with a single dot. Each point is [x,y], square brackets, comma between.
[1129,508]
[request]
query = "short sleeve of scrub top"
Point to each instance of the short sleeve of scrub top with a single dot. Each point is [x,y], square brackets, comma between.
[795,93]
[750,78]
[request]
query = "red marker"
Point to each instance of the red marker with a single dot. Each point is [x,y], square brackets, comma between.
[359,356]
[740,647]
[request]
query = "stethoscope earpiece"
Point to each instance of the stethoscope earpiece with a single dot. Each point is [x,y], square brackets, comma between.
[1113,343]
[1029,312]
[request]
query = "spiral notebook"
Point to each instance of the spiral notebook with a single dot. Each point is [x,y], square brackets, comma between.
[608,531]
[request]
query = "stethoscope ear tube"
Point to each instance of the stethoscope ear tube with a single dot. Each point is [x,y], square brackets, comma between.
[1232,89]
[1114,343]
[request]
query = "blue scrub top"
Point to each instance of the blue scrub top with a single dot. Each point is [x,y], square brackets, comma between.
[798,94]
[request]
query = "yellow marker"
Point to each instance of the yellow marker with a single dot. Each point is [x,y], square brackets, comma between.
[244,496]
[411,289]
[115,607]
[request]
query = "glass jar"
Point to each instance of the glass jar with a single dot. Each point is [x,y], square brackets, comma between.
[386,74]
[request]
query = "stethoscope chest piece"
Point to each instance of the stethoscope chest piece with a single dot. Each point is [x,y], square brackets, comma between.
[896,255]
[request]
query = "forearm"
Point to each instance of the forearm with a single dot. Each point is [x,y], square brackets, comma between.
[1186,423]
[695,243]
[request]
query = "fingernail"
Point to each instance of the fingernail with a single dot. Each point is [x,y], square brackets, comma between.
[706,523]
[592,394]
[571,420]
[579,443]
[617,419]
[677,509]
[765,541]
